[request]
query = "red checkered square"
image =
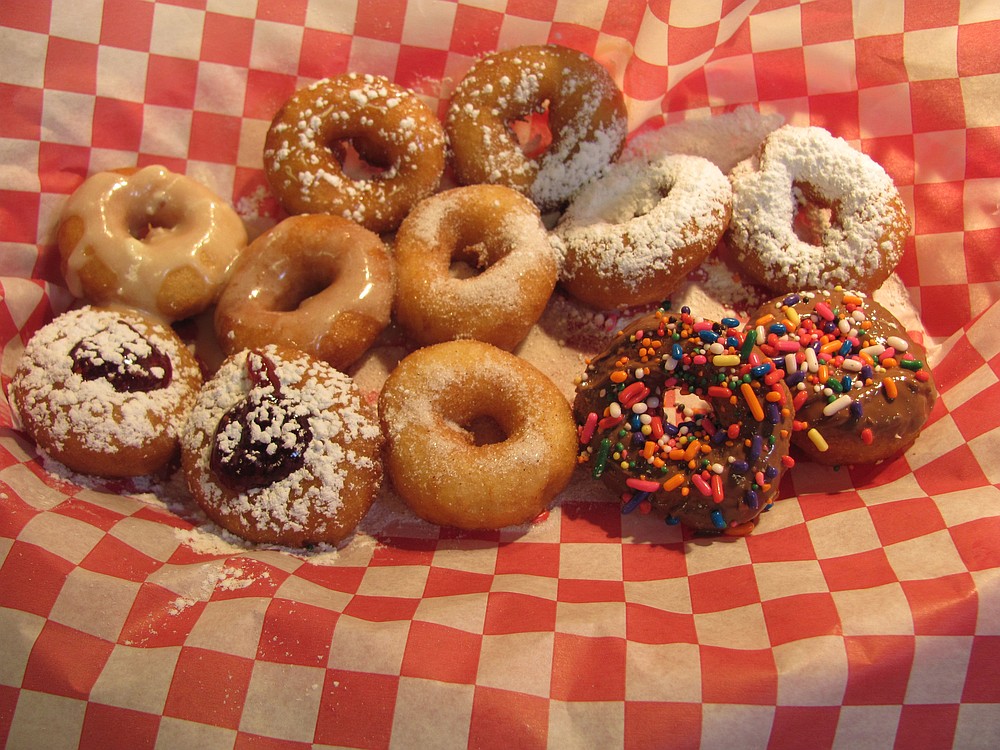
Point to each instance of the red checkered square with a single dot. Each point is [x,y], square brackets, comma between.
[906,519]
[214,138]
[938,208]
[976,543]
[415,65]
[209,687]
[27,16]
[96,515]
[804,727]
[296,633]
[171,81]
[404,551]
[981,683]
[793,618]
[248,741]
[71,66]
[930,14]
[653,562]
[895,154]
[21,216]
[838,113]
[16,513]
[436,652]
[977,49]
[159,618]
[972,420]
[447,582]
[117,124]
[226,39]
[8,702]
[591,522]
[31,578]
[790,82]
[356,709]
[879,60]
[588,669]
[936,105]
[981,146]
[266,93]
[686,44]
[830,21]
[380,19]
[535,558]
[109,726]
[927,726]
[642,80]
[381,608]
[113,557]
[956,617]
[645,624]
[491,726]
[878,668]
[589,590]
[65,661]
[24,112]
[324,54]
[510,612]
[865,569]
[538,10]
[723,589]
[692,91]
[283,11]
[336,578]
[674,725]
[127,24]
[741,676]
[738,43]
[475,31]
[781,545]
[957,469]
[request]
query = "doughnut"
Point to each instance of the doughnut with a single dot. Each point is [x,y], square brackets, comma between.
[809,211]
[388,125]
[148,239]
[632,235]
[282,449]
[106,392]
[476,438]
[497,236]
[713,468]
[586,118]
[314,282]
[861,388]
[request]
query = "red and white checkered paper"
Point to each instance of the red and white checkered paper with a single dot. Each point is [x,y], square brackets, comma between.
[863,612]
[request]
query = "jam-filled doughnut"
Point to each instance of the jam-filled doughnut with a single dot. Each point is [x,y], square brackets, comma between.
[106,392]
[388,125]
[632,235]
[282,449]
[714,469]
[861,387]
[317,283]
[477,438]
[809,211]
[148,239]
[495,233]
[586,117]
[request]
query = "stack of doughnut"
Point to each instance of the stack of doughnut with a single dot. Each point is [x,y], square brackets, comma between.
[279,447]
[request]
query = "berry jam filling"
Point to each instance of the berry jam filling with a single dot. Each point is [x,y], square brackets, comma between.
[263,438]
[123,357]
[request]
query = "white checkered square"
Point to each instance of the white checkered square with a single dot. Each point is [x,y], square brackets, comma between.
[296,719]
[811,672]
[739,628]
[519,662]
[669,672]
[880,610]
[136,678]
[363,646]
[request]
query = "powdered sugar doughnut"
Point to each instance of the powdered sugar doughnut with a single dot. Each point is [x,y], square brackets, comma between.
[490,228]
[632,235]
[318,283]
[388,125]
[106,392]
[282,449]
[809,211]
[586,117]
[148,239]
[476,437]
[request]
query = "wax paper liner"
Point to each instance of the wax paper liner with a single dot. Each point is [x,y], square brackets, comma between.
[863,612]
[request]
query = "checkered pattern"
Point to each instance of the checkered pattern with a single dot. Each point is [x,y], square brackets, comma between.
[864,612]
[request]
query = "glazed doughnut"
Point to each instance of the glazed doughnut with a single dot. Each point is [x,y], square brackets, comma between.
[106,392]
[862,390]
[148,239]
[282,449]
[809,211]
[387,124]
[317,283]
[713,470]
[586,118]
[632,235]
[488,227]
[477,438]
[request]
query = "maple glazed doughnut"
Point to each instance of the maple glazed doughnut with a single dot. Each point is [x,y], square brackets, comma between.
[809,211]
[148,239]
[387,124]
[586,117]
[713,470]
[632,235]
[446,471]
[492,229]
[862,390]
[106,392]
[317,283]
[282,449]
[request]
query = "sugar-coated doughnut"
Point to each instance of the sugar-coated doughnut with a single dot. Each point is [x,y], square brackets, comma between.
[861,387]
[809,211]
[477,438]
[714,470]
[586,118]
[318,283]
[106,392]
[282,449]
[148,239]
[632,235]
[387,124]
[495,233]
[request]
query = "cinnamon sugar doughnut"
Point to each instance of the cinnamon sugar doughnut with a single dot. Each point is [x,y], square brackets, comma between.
[317,283]
[148,239]
[476,437]
[282,449]
[106,392]
[713,470]
[586,117]
[809,211]
[862,390]
[387,124]
[631,236]
[491,228]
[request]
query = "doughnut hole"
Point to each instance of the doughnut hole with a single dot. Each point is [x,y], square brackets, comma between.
[532,131]
[814,217]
